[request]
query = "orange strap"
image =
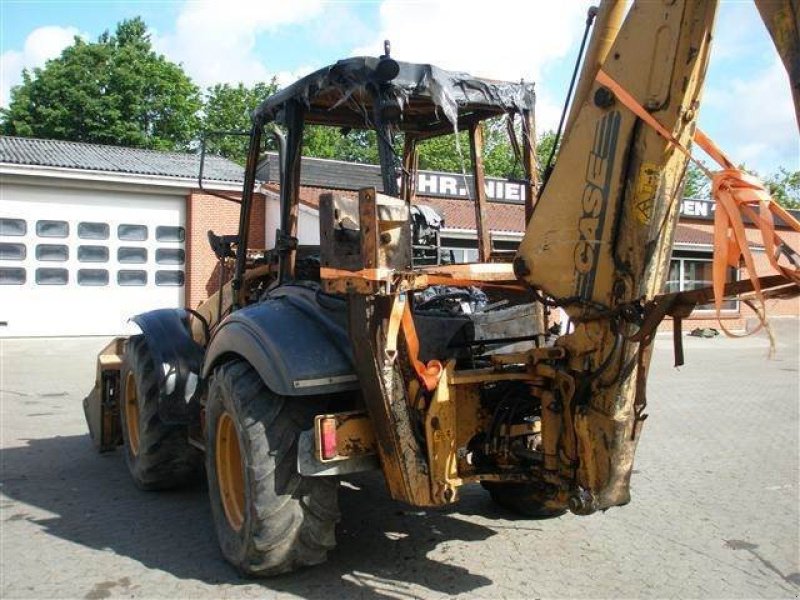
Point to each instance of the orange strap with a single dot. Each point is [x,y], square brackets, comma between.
[393,328]
[736,193]
[400,316]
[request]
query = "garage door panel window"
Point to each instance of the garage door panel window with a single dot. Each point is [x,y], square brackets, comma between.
[92,277]
[12,251]
[131,255]
[52,229]
[171,278]
[13,227]
[52,252]
[12,276]
[132,233]
[93,254]
[93,231]
[129,277]
[170,256]
[50,276]
[166,233]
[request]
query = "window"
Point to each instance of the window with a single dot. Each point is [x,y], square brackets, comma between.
[12,276]
[169,278]
[170,256]
[131,255]
[170,234]
[92,277]
[131,277]
[687,274]
[55,229]
[92,253]
[47,276]
[12,252]
[13,227]
[132,233]
[93,231]
[52,252]
[462,255]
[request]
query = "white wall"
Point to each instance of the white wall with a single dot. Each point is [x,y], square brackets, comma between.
[307,225]
[72,309]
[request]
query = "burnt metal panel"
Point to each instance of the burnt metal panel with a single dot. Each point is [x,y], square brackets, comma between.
[296,340]
[429,98]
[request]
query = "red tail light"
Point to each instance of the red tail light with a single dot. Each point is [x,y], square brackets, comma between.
[328,438]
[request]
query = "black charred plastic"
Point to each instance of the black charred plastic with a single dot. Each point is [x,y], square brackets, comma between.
[296,339]
[177,358]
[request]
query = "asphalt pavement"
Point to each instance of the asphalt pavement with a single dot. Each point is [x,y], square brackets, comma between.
[715,511]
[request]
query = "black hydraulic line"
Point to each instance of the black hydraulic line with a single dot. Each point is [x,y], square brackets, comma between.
[386,152]
[590,15]
[290,183]
[244,213]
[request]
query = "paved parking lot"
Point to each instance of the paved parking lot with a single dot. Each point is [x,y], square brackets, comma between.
[714,510]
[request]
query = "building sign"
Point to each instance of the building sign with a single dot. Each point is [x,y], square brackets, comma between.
[692,208]
[449,185]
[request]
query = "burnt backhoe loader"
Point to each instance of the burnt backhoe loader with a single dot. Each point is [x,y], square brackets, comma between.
[314,363]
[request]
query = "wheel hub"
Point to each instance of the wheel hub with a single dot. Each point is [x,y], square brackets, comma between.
[132,413]
[230,474]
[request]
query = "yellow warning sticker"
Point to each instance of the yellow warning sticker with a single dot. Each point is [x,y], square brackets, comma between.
[645,194]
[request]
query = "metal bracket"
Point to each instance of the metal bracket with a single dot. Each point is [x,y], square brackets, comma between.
[309,465]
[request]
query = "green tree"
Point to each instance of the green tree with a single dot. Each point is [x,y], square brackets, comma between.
[784,185]
[499,159]
[117,90]
[697,184]
[341,144]
[228,108]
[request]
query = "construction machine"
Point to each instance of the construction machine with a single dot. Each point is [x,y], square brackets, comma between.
[311,364]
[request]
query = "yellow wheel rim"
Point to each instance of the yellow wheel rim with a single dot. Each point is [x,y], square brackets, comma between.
[132,413]
[230,474]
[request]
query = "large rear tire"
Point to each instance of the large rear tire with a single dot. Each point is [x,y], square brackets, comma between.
[269,518]
[526,500]
[158,455]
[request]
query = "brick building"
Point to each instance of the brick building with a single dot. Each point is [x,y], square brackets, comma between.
[449,193]
[104,232]
[91,234]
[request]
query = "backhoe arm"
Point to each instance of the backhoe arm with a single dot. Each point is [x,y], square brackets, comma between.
[601,234]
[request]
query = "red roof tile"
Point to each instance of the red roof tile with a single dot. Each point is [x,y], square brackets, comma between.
[684,234]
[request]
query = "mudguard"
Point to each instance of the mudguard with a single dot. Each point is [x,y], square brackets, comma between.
[177,359]
[296,339]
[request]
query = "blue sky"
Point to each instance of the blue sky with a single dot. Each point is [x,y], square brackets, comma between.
[747,106]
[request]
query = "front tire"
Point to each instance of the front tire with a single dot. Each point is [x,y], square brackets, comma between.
[158,455]
[269,518]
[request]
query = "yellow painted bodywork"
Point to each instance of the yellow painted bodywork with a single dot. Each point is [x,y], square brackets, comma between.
[601,233]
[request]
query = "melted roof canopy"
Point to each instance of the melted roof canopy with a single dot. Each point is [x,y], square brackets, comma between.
[431,99]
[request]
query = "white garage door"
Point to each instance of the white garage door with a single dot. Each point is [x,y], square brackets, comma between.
[82,262]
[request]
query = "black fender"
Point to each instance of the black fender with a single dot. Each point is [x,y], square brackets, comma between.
[296,339]
[177,359]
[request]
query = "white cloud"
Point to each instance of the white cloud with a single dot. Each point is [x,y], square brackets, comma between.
[215,41]
[753,119]
[285,78]
[502,40]
[509,40]
[41,45]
